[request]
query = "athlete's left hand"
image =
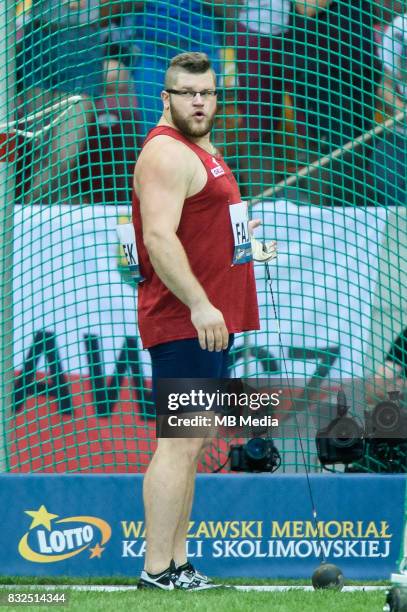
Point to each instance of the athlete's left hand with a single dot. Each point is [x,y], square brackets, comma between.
[262,251]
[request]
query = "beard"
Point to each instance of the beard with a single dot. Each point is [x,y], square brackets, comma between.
[187,125]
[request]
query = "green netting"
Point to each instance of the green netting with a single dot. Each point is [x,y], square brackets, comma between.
[311,119]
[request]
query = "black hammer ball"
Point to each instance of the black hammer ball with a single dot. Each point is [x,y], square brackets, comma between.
[327,576]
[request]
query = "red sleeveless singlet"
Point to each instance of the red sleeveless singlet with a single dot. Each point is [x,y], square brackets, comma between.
[206,234]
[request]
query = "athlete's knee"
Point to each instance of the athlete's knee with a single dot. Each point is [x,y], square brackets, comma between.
[191,450]
[183,450]
[206,443]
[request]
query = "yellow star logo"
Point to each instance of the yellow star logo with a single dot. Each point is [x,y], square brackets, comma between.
[96,551]
[41,517]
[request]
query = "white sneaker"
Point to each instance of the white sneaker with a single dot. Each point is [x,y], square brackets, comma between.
[187,578]
[162,581]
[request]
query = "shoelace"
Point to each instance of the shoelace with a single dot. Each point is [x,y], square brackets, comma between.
[191,568]
[201,576]
[191,580]
[192,573]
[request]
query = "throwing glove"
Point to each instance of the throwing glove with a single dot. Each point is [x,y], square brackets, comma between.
[263,251]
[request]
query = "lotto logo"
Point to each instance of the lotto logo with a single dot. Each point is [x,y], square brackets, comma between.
[63,538]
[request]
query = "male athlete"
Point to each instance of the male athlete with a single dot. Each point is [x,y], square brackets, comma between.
[192,233]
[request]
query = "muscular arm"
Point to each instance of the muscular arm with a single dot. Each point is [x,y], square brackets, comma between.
[162,178]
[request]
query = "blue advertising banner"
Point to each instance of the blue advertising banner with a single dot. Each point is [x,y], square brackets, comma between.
[257,525]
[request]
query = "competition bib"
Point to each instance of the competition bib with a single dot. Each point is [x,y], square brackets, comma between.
[127,238]
[242,252]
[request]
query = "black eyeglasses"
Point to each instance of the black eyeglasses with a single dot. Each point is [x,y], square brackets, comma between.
[189,94]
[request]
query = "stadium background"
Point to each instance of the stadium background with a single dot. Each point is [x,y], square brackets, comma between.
[74,380]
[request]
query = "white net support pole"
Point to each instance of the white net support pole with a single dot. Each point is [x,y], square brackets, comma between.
[7,161]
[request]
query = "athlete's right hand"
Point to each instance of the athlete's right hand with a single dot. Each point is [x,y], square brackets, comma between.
[211,327]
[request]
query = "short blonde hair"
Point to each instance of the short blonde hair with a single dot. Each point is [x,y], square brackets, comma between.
[192,62]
